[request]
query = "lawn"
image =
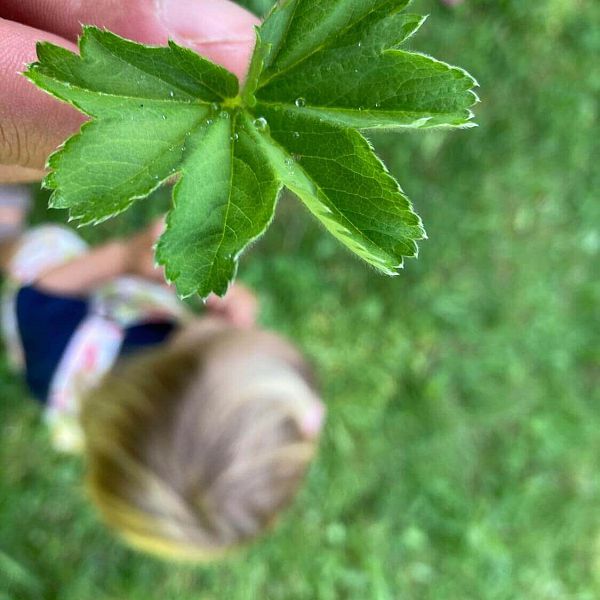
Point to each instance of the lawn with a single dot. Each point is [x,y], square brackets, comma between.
[461,457]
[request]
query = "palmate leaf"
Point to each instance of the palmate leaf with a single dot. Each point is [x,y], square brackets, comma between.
[321,71]
[258,7]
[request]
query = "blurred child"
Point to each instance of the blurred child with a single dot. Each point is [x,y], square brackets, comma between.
[196,431]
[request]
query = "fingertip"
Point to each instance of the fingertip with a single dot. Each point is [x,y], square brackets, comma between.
[218,29]
[234,56]
[33,123]
[221,30]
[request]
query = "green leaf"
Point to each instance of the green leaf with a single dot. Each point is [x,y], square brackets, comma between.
[335,172]
[321,70]
[358,77]
[258,7]
[115,161]
[238,188]
[113,73]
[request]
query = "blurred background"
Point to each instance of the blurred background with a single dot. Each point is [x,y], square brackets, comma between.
[462,453]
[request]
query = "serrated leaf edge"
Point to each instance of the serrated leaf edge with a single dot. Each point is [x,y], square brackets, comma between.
[172,276]
[322,46]
[409,208]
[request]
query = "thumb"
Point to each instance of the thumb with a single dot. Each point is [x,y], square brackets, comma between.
[32,124]
[219,30]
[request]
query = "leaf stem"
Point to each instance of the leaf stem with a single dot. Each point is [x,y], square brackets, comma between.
[233,103]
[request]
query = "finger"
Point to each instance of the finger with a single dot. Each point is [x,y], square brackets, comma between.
[218,29]
[155,274]
[32,123]
[239,306]
[214,303]
[157,228]
[244,315]
[16,174]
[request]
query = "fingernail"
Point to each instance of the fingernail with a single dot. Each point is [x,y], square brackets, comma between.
[218,29]
[200,20]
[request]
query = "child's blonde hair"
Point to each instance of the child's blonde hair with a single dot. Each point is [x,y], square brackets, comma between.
[193,449]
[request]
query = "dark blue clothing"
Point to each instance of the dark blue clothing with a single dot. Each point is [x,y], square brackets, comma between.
[46,324]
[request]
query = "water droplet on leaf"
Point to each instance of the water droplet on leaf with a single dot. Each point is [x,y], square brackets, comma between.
[215,106]
[300,102]
[295,135]
[224,114]
[261,124]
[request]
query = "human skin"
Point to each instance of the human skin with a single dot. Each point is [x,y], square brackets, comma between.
[135,256]
[117,258]
[33,124]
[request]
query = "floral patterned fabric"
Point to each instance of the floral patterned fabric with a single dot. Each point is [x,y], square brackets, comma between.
[94,346]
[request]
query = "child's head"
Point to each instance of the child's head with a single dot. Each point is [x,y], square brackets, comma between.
[194,448]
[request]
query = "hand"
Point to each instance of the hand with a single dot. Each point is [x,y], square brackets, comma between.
[239,306]
[86,273]
[32,123]
[138,253]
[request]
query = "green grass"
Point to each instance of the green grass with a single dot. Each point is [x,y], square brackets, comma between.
[462,450]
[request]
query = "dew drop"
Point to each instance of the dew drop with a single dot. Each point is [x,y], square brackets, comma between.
[377,104]
[209,122]
[300,102]
[224,114]
[295,135]
[215,106]
[290,162]
[171,93]
[360,44]
[164,117]
[261,124]
[235,137]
